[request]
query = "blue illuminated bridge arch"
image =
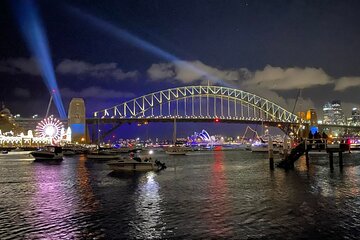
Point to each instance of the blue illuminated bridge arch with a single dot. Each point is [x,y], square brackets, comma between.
[198,103]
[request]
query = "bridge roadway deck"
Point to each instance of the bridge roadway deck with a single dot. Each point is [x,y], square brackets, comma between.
[148,120]
[31,122]
[221,120]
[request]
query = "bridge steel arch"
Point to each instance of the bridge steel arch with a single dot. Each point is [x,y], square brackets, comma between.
[200,102]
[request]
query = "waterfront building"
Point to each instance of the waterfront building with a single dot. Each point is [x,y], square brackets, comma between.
[10,139]
[328,113]
[312,116]
[5,112]
[7,121]
[355,116]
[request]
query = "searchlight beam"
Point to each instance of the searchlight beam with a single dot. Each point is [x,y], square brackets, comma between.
[34,34]
[124,35]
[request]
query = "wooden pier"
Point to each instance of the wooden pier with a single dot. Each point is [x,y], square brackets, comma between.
[314,146]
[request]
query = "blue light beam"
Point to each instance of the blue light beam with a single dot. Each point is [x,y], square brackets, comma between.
[140,43]
[34,34]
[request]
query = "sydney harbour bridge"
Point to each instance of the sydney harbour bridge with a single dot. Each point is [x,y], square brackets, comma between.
[201,104]
[205,104]
[198,104]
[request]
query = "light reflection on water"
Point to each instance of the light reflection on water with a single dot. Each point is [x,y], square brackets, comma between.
[87,200]
[51,205]
[215,195]
[148,208]
[218,207]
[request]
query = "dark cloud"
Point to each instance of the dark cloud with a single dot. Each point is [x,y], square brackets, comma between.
[274,78]
[100,70]
[347,82]
[95,92]
[19,66]
[22,92]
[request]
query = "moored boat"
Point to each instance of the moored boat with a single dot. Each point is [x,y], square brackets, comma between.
[177,150]
[263,147]
[19,151]
[136,164]
[48,153]
[102,154]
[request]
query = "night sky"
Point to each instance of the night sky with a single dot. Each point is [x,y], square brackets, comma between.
[271,48]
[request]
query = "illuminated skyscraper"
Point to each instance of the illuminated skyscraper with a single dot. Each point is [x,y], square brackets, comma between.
[355,116]
[333,113]
[328,113]
[77,119]
[339,117]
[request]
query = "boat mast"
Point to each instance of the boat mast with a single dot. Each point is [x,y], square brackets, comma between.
[287,129]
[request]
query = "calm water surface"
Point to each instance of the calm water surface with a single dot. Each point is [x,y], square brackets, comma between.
[207,195]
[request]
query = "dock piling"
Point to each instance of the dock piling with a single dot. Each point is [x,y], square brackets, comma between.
[340,159]
[306,153]
[271,153]
[331,160]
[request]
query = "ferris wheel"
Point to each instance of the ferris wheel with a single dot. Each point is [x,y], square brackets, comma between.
[49,127]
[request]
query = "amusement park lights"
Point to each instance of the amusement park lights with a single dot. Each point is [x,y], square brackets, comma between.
[49,127]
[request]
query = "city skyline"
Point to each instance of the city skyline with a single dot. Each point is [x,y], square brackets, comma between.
[108,53]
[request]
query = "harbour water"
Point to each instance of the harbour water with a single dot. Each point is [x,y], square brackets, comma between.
[206,195]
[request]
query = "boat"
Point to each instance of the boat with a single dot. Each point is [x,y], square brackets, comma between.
[123,149]
[136,164]
[48,153]
[16,151]
[19,151]
[103,154]
[261,146]
[70,150]
[177,150]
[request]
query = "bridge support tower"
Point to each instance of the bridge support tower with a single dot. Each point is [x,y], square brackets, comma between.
[77,120]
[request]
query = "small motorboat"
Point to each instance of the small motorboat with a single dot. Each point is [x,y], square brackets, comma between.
[177,150]
[19,151]
[103,154]
[263,147]
[136,164]
[48,153]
